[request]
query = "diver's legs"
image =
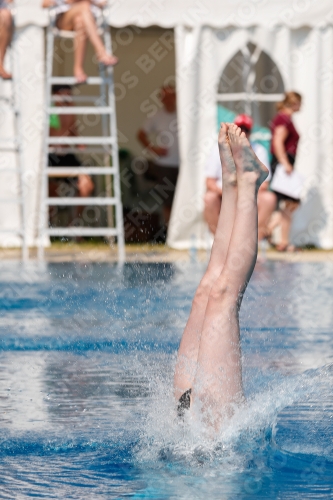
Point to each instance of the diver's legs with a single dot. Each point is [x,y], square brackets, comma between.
[189,345]
[218,380]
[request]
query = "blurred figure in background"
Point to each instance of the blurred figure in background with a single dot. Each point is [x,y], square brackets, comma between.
[78,16]
[213,196]
[284,148]
[65,126]
[159,136]
[6,30]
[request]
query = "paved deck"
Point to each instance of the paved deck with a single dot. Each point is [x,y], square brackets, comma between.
[84,252]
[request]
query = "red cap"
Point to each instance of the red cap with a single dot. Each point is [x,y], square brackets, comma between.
[244,121]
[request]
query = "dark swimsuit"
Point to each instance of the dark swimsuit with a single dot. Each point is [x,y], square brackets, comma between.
[184,403]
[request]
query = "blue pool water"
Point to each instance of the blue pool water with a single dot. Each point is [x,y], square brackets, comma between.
[87,354]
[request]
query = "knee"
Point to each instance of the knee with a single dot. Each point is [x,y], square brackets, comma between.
[266,202]
[6,17]
[267,197]
[85,185]
[85,9]
[293,206]
[289,208]
[204,288]
[85,5]
[211,200]
[202,292]
[222,292]
[78,22]
[271,200]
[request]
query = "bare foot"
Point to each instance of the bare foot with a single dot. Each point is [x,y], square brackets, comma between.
[107,59]
[227,160]
[80,75]
[246,161]
[4,75]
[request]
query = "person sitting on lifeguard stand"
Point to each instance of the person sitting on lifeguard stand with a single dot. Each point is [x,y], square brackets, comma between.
[79,16]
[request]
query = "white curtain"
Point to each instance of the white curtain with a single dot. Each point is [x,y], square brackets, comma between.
[219,13]
[304,57]
[30,52]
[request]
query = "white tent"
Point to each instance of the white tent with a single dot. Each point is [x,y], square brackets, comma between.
[297,35]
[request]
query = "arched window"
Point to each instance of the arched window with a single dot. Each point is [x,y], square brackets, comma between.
[250,83]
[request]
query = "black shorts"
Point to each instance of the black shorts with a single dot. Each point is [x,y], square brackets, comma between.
[67,160]
[280,196]
[184,403]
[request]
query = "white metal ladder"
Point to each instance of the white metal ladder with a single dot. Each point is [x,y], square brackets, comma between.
[15,144]
[107,144]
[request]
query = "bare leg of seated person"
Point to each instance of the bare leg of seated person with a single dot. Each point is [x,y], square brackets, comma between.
[217,381]
[5,37]
[85,187]
[212,210]
[286,220]
[81,20]
[266,206]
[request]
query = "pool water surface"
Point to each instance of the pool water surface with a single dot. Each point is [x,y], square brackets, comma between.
[87,356]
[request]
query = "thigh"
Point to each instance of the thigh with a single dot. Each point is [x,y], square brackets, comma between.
[5,13]
[66,20]
[267,202]
[213,201]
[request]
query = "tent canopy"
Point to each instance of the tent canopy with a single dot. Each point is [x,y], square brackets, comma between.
[297,35]
[192,13]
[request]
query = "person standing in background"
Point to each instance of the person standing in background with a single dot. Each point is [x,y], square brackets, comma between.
[284,148]
[6,31]
[78,16]
[159,135]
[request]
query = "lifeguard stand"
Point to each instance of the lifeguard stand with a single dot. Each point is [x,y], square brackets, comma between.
[107,145]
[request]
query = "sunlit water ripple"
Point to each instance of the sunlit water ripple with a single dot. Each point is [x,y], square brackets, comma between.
[87,354]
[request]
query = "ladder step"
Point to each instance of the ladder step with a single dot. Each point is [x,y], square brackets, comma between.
[5,140]
[55,171]
[80,110]
[75,150]
[9,144]
[95,99]
[12,231]
[70,80]
[78,201]
[81,140]
[69,34]
[9,149]
[63,33]
[11,170]
[82,231]
[11,200]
